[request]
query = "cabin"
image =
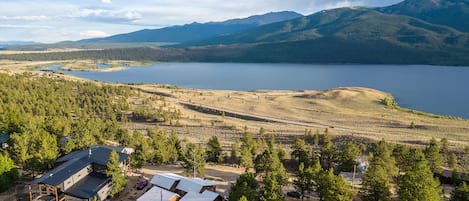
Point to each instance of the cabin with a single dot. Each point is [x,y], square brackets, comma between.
[197,185]
[167,181]
[3,140]
[188,189]
[352,178]
[78,176]
[446,176]
[160,194]
[204,196]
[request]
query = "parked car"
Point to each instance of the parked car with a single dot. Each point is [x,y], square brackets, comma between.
[141,184]
[294,194]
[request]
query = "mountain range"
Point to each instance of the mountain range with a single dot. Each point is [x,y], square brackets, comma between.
[197,31]
[410,32]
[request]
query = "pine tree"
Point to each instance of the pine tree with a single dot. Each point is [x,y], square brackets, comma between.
[245,186]
[243,198]
[461,193]
[271,190]
[300,152]
[418,183]
[333,188]
[214,149]
[432,153]
[452,161]
[246,158]
[383,152]
[375,182]
[348,157]
[8,172]
[328,152]
[248,142]
[444,146]
[194,159]
[116,173]
[402,157]
[235,150]
[304,180]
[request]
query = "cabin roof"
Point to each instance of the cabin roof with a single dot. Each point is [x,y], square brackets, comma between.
[75,162]
[4,137]
[204,196]
[88,186]
[193,184]
[157,193]
[165,180]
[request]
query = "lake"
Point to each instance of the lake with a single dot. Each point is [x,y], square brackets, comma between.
[435,89]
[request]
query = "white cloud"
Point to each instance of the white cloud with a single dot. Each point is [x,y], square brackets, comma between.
[93,34]
[106,1]
[26,18]
[18,26]
[108,15]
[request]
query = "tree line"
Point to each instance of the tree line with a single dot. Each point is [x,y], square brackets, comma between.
[393,171]
[46,118]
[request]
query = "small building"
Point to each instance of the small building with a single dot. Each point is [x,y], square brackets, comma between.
[352,178]
[446,176]
[197,185]
[204,196]
[3,140]
[159,194]
[167,181]
[79,176]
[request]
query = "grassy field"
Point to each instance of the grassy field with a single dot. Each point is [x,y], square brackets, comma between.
[346,112]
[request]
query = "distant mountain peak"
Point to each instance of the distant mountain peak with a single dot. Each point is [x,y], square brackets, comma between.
[452,13]
[196,30]
[267,18]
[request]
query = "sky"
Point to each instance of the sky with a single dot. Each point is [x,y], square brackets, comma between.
[50,21]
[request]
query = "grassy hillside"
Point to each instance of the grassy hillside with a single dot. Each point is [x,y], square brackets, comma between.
[452,13]
[355,24]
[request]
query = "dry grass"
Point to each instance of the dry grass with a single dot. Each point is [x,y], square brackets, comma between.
[345,111]
[351,111]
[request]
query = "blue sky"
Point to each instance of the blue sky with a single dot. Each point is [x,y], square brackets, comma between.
[59,20]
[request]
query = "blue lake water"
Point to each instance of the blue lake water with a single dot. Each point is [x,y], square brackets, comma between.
[435,89]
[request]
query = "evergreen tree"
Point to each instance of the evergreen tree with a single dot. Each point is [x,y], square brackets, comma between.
[248,142]
[300,152]
[333,188]
[349,156]
[418,183]
[214,149]
[268,162]
[304,180]
[116,173]
[444,146]
[8,172]
[243,198]
[235,150]
[383,152]
[194,160]
[402,157]
[246,158]
[174,147]
[20,149]
[375,182]
[245,186]
[461,193]
[432,153]
[271,190]
[452,161]
[328,152]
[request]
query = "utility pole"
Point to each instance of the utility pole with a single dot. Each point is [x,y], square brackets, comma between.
[193,163]
[353,176]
